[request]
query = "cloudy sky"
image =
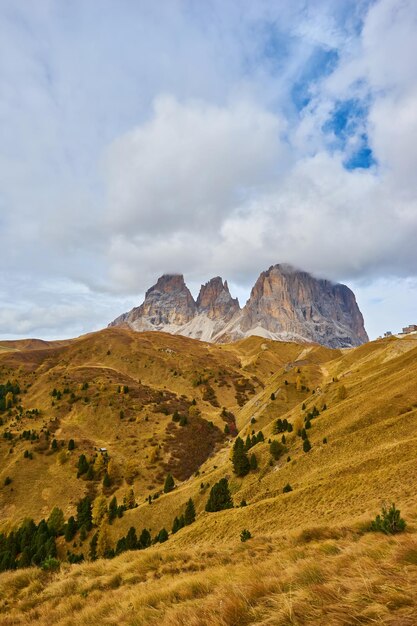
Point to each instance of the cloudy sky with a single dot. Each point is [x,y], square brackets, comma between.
[206,138]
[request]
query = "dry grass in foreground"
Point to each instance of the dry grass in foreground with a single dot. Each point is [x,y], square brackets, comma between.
[321,577]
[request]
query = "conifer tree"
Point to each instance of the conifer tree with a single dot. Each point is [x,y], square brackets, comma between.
[253,462]
[276,449]
[169,483]
[70,529]
[189,515]
[106,481]
[220,497]
[144,539]
[306,445]
[113,509]
[84,513]
[93,547]
[82,465]
[175,525]
[71,444]
[131,539]
[162,535]
[240,459]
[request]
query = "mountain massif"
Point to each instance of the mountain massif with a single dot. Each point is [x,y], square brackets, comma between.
[285,304]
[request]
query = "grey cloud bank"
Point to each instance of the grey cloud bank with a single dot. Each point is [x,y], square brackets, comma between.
[140,139]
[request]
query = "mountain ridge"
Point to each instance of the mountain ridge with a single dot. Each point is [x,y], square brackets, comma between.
[285,304]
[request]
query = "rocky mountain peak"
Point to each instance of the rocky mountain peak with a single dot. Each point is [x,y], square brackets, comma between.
[285,304]
[169,283]
[295,304]
[215,300]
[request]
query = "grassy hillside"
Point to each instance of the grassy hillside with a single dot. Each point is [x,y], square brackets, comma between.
[159,404]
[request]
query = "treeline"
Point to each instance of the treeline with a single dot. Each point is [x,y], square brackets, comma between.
[30,544]
[8,395]
[35,544]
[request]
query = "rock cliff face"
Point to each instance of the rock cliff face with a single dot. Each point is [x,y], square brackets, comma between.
[297,306]
[169,302]
[285,304]
[215,300]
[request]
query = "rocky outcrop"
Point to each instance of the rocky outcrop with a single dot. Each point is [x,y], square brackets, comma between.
[297,306]
[285,304]
[215,300]
[168,302]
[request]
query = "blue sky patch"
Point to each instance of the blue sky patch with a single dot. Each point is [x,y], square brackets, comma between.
[347,122]
[320,64]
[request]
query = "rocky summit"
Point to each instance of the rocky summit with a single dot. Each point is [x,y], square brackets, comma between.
[285,304]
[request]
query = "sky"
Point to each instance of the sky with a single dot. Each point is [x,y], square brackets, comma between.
[205,138]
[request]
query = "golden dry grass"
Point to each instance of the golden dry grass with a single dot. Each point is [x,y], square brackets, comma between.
[301,580]
[293,571]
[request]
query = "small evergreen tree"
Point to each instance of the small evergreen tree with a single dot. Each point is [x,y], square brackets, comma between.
[144,539]
[306,445]
[70,529]
[287,488]
[226,429]
[162,535]
[131,539]
[175,525]
[93,547]
[113,509]
[71,444]
[189,515]
[84,513]
[389,522]
[276,449]
[106,481]
[253,462]
[82,465]
[245,535]
[169,483]
[240,459]
[220,497]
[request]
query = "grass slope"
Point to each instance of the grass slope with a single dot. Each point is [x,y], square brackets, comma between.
[367,402]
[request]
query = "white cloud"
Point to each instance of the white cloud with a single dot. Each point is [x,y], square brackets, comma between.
[145,140]
[190,165]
